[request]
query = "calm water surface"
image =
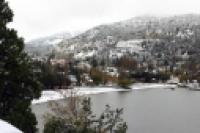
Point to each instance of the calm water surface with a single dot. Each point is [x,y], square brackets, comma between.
[150,110]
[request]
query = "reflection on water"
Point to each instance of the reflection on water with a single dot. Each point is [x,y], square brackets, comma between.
[151,110]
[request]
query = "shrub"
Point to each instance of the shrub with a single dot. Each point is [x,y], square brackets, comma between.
[97,76]
[77,117]
[124,83]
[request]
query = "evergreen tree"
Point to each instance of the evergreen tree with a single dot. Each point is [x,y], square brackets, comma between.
[18,85]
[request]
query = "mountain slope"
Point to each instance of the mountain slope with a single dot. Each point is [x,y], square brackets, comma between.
[135,28]
[44,46]
[161,39]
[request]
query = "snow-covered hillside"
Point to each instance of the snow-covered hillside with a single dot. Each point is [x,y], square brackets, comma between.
[130,33]
[144,38]
[44,46]
[50,40]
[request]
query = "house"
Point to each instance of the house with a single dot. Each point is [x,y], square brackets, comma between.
[61,62]
[115,54]
[86,79]
[132,46]
[112,71]
[185,56]
[84,66]
[72,79]
[37,70]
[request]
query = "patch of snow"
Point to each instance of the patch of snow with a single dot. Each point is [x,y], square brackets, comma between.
[80,91]
[139,86]
[92,33]
[5,127]
[131,45]
[96,90]
[48,96]
[60,94]
[83,55]
[54,42]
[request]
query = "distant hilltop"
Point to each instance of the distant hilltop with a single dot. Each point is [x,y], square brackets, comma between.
[158,36]
[135,28]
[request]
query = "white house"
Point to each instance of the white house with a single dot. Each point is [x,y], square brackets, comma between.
[112,71]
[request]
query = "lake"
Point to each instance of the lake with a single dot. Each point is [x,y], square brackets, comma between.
[148,110]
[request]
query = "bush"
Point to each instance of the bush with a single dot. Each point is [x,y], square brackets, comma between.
[164,76]
[97,76]
[124,83]
[54,125]
[183,78]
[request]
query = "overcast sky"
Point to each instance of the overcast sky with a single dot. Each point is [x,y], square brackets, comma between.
[37,18]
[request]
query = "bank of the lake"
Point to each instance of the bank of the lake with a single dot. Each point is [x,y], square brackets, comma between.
[149,110]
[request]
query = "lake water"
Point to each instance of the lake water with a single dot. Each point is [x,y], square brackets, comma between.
[149,110]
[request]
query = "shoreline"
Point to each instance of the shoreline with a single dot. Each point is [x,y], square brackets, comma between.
[53,95]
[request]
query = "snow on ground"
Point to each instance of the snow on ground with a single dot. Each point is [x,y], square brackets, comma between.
[48,96]
[133,45]
[138,86]
[83,55]
[7,128]
[54,41]
[60,94]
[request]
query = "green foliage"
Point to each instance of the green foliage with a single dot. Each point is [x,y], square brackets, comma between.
[151,77]
[178,72]
[52,76]
[94,62]
[127,63]
[79,118]
[164,76]
[97,76]
[183,78]
[54,125]
[18,83]
[198,79]
[124,82]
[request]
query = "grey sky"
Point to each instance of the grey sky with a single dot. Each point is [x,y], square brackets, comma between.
[37,18]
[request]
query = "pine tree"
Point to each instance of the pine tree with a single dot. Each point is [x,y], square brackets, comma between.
[18,85]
